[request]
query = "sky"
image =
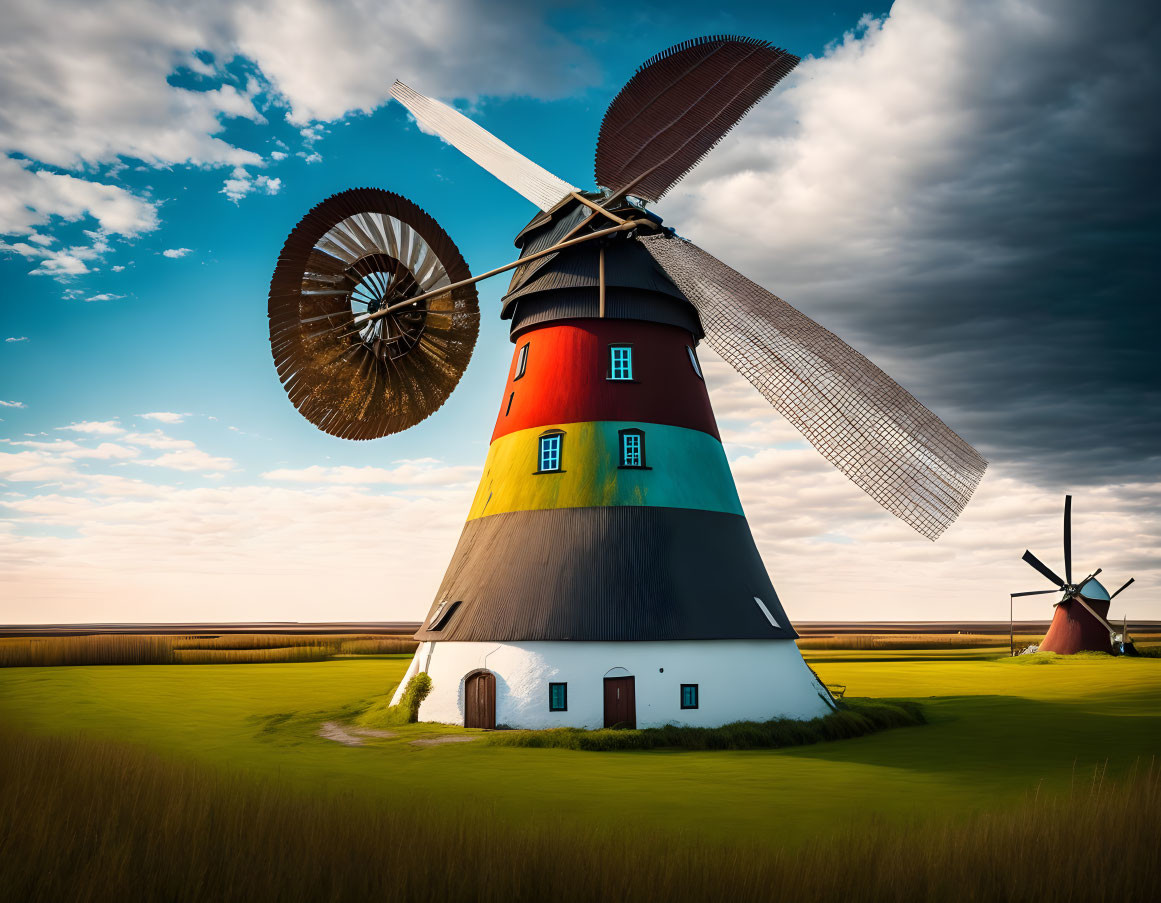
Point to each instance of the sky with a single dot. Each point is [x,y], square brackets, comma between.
[965,192]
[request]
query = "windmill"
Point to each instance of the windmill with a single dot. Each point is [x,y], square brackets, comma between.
[1080,622]
[606,573]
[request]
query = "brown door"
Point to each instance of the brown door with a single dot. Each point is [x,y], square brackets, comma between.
[480,700]
[620,702]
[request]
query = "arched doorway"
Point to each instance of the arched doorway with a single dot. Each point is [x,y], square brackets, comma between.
[620,699]
[480,700]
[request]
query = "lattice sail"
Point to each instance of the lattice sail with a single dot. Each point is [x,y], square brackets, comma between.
[509,166]
[854,414]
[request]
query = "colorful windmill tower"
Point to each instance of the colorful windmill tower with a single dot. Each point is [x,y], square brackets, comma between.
[606,574]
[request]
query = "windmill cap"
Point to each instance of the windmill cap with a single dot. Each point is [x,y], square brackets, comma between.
[1095,590]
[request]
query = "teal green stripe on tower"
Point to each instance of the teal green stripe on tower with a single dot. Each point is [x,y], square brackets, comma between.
[684,468]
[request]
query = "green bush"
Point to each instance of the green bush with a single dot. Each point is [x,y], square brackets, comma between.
[383,714]
[854,718]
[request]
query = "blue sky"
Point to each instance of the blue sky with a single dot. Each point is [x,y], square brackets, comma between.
[136,284]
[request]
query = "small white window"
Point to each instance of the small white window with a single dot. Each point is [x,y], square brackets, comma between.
[521,362]
[693,362]
[550,452]
[621,362]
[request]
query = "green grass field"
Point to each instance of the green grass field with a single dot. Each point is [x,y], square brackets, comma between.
[999,730]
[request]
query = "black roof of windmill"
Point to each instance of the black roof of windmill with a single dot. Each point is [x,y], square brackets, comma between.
[373,315]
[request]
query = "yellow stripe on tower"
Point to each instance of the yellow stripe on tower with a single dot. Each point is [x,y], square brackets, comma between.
[685,468]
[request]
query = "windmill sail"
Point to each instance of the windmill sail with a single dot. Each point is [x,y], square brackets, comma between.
[678,106]
[853,413]
[512,168]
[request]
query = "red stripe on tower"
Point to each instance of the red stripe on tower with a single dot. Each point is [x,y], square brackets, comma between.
[562,377]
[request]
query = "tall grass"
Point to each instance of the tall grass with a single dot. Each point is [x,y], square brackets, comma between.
[112,649]
[908,641]
[87,820]
[252,656]
[905,641]
[380,645]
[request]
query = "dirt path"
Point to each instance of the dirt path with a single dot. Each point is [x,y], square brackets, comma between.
[332,730]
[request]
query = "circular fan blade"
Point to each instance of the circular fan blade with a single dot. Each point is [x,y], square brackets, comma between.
[678,105]
[355,253]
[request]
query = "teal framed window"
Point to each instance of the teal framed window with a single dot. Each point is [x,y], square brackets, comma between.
[620,362]
[689,696]
[558,697]
[632,449]
[548,456]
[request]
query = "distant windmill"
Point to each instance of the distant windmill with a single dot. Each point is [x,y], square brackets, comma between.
[606,566]
[1080,623]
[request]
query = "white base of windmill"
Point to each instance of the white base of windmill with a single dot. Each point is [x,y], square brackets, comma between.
[737,680]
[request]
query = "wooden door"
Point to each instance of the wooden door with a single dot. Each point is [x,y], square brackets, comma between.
[620,702]
[480,700]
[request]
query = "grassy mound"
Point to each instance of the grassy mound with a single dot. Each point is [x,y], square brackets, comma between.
[855,719]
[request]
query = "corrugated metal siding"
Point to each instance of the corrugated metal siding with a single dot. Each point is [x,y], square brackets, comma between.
[608,574]
[620,304]
[530,241]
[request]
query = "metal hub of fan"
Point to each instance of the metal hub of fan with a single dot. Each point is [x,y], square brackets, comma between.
[377,282]
[353,363]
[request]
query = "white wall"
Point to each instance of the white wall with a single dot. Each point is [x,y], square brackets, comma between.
[738,680]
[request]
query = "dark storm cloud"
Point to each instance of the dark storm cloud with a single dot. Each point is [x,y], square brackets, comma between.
[968,193]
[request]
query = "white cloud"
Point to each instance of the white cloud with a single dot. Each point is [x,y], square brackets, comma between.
[105,296]
[30,198]
[269,552]
[241,183]
[90,86]
[158,440]
[105,451]
[190,459]
[277,155]
[17,338]
[95,427]
[175,252]
[64,262]
[423,472]
[164,416]
[12,404]
[33,467]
